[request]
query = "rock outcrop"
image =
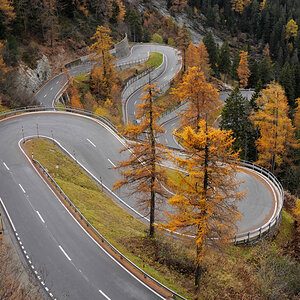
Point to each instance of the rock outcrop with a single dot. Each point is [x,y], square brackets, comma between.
[31,80]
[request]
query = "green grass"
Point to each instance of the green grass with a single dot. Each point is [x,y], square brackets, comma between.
[113,222]
[236,273]
[155,59]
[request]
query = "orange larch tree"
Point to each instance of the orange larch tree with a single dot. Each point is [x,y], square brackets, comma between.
[206,192]
[203,59]
[243,70]
[103,75]
[7,10]
[141,172]
[277,137]
[75,97]
[239,5]
[183,40]
[192,56]
[201,96]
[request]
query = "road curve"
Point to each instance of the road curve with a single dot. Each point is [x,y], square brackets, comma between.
[72,263]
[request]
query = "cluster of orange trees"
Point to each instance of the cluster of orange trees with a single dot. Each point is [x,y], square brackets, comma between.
[205,191]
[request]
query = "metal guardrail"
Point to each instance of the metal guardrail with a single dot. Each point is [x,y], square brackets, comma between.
[256,234]
[241,238]
[102,238]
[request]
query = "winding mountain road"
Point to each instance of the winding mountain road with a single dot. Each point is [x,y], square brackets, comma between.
[71,263]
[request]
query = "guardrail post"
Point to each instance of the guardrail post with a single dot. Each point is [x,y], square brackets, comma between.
[260,232]
[269,227]
[248,237]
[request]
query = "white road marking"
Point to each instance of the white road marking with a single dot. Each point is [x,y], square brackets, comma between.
[51,89]
[57,82]
[111,162]
[104,295]
[5,165]
[45,96]
[91,142]
[64,252]
[22,188]
[40,216]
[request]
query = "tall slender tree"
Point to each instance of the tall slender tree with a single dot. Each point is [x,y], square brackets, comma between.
[201,96]
[103,75]
[276,129]
[141,172]
[243,70]
[235,116]
[205,195]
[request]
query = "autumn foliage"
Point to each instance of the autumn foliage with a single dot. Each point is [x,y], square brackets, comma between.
[141,173]
[198,57]
[206,192]
[7,10]
[201,96]
[243,70]
[103,75]
[276,129]
[239,5]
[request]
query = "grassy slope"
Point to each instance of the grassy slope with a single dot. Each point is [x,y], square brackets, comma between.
[117,225]
[256,272]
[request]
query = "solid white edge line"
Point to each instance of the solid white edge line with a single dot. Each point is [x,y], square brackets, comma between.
[98,245]
[64,252]
[91,142]
[22,188]
[40,216]
[111,162]
[10,220]
[104,295]
[5,165]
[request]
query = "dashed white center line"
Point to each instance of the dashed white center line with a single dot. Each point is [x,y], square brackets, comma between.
[22,188]
[40,216]
[51,89]
[64,252]
[57,82]
[111,162]
[7,168]
[91,142]
[45,96]
[106,297]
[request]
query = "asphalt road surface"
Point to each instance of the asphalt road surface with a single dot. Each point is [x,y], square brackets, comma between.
[72,264]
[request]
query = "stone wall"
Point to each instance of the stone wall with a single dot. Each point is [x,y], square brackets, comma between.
[121,49]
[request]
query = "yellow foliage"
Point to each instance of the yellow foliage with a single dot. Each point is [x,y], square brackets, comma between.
[75,97]
[201,96]
[297,115]
[3,68]
[239,5]
[276,129]
[206,192]
[6,7]
[297,208]
[140,172]
[243,70]
[291,29]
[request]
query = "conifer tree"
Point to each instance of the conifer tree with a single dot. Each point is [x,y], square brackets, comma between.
[183,40]
[276,130]
[206,193]
[7,13]
[141,172]
[212,50]
[103,75]
[243,70]
[235,117]
[201,96]
[224,62]
[204,59]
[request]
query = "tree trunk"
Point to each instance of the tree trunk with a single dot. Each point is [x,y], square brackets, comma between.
[152,140]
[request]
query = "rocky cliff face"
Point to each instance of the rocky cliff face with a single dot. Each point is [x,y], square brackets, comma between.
[31,80]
